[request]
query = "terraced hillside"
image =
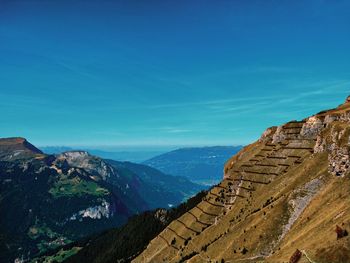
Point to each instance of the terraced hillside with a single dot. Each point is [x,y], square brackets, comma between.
[284,198]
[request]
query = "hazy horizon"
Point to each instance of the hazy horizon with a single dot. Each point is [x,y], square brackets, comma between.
[130,148]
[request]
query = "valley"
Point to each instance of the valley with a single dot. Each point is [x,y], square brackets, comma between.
[53,200]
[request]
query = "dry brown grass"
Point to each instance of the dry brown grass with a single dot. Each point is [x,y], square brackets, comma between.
[254,228]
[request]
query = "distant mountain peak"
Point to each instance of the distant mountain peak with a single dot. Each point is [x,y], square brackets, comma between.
[92,164]
[18,142]
[12,140]
[17,147]
[75,154]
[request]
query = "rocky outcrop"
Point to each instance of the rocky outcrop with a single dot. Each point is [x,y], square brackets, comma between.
[267,134]
[335,140]
[300,198]
[92,164]
[95,212]
[279,135]
[330,130]
[339,162]
[311,128]
[161,215]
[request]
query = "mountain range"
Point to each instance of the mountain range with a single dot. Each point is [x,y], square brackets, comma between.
[200,164]
[131,155]
[52,200]
[203,165]
[283,198]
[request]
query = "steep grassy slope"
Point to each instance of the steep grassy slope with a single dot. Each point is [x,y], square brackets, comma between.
[286,192]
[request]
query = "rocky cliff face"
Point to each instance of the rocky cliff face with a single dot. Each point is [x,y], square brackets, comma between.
[92,164]
[331,131]
[281,198]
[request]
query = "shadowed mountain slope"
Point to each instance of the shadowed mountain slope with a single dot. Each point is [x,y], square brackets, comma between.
[51,200]
[180,187]
[125,243]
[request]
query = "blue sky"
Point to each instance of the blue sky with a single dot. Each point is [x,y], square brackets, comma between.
[158,72]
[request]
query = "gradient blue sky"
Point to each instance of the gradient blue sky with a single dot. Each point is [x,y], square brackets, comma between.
[161,72]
